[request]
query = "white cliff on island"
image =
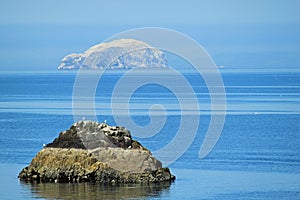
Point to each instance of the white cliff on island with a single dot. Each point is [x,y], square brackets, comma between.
[118,54]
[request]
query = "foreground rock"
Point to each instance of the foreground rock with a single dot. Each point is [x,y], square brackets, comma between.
[118,54]
[93,152]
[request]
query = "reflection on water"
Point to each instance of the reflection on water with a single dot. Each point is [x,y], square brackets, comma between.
[189,184]
[96,191]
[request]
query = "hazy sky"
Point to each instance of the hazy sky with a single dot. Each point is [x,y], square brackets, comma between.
[154,12]
[36,34]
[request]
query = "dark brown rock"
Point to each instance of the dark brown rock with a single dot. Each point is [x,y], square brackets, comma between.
[91,135]
[68,139]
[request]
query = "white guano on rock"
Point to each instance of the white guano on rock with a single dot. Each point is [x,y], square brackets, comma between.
[118,54]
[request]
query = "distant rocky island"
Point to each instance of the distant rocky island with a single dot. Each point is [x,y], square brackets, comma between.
[117,54]
[95,152]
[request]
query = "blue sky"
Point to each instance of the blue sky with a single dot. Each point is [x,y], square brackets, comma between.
[38,34]
[152,12]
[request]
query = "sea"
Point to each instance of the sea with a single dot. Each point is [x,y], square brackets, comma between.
[257,144]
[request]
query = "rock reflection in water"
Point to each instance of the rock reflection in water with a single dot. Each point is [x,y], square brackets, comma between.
[96,191]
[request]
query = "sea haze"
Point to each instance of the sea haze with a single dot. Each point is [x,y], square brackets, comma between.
[247,92]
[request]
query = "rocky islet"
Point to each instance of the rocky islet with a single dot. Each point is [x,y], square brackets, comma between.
[116,54]
[95,152]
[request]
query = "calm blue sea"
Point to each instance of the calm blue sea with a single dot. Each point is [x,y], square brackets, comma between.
[257,155]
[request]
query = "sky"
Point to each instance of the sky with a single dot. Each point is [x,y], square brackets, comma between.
[36,35]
